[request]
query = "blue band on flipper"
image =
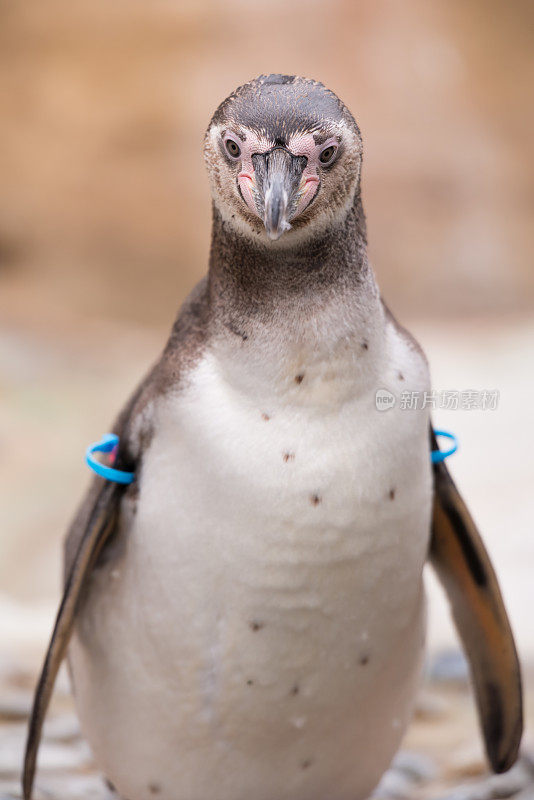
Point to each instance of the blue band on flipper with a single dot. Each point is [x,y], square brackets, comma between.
[440,455]
[106,445]
[110,440]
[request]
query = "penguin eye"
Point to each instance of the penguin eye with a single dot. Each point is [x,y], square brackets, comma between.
[328,154]
[232,148]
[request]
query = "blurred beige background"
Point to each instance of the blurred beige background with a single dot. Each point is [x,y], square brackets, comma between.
[105,218]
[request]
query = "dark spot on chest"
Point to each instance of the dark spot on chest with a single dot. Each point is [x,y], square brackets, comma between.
[294,690]
[392,494]
[250,682]
[306,763]
[364,660]
[401,376]
[265,417]
[315,499]
[256,625]
[289,457]
[154,788]
[365,345]
[299,378]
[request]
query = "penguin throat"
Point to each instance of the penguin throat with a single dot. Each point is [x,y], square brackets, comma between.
[251,278]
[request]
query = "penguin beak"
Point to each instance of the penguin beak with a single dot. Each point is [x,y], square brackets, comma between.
[278,175]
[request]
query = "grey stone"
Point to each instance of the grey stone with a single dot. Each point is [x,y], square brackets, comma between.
[449,666]
[394,785]
[417,766]
[463,793]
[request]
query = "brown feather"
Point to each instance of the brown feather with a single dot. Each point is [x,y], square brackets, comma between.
[462,564]
[100,525]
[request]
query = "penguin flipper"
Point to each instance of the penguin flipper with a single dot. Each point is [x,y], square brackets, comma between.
[97,517]
[464,569]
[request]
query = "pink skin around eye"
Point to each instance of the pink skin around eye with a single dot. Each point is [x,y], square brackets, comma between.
[307,193]
[246,184]
[246,179]
[304,145]
[299,145]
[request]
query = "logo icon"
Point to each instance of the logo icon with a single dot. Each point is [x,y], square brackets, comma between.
[384,399]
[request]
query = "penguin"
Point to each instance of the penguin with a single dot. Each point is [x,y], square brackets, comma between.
[247,617]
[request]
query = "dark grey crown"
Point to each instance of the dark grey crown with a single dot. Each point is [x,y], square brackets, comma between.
[279,105]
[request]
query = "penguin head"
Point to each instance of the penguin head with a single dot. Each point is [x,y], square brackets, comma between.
[284,158]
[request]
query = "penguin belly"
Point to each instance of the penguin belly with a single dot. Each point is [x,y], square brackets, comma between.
[257,628]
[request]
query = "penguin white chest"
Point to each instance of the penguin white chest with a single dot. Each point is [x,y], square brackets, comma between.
[260,634]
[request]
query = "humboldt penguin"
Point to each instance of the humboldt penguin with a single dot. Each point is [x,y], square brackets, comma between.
[247,618]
